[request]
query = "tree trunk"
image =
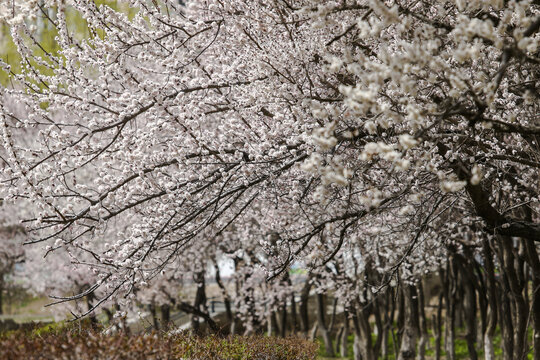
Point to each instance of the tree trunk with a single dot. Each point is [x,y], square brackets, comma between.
[327,339]
[424,336]
[283,322]
[489,352]
[506,325]
[482,293]
[333,317]
[92,316]
[1,295]
[338,338]
[165,316]
[470,319]
[449,296]
[469,307]
[199,304]
[357,347]
[273,329]
[344,349]
[511,262]
[380,328]
[313,332]
[407,349]
[509,306]
[303,308]
[534,264]
[152,309]
[233,330]
[535,294]
[390,323]
[224,294]
[400,316]
[362,333]
[109,315]
[385,336]
[388,312]
[294,317]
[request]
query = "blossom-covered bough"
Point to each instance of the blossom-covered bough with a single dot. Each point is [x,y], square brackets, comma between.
[368,141]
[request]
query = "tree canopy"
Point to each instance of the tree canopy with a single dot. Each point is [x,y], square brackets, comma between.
[364,140]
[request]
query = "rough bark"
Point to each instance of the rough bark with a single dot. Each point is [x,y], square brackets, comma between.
[344,349]
[450,316]
[380,328]
[321,320]
[153,312]
[283,323]
[362,335]
[295,326]
[407,349]
[387,325]
[489,333]
[400,317]
[199,303]
[303,308]
[272,326]
[505,323]
[338,338]
[424,336]
[1,295]
[165,316]
[534,263]
[333,317]
[313,331]
[470,320]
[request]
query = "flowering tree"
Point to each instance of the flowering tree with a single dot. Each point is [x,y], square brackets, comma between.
[398,131]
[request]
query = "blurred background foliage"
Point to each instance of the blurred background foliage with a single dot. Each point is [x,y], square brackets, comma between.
[45,34]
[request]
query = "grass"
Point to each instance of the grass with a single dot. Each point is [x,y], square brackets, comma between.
[24,308]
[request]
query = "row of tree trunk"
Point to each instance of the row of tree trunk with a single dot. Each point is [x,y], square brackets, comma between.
[478,294]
